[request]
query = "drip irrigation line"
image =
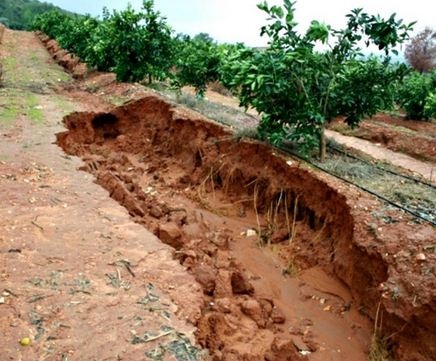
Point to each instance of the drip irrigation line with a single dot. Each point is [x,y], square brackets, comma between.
[383,168]
[383,198]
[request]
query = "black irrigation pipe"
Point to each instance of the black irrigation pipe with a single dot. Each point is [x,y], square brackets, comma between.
[383,198]
[382,168]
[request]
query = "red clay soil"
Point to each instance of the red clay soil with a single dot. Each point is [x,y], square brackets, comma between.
[415,138]
[209,197]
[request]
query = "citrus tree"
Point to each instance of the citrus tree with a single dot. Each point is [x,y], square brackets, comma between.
[297,88]
[197,63]
[135,45]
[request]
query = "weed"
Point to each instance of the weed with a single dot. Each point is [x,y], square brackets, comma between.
[378,349]
[247,133]
[219,88]
[223,114]
[35,115]
[8,112]
[291,269]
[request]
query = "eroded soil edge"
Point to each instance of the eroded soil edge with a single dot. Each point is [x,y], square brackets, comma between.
[188,180]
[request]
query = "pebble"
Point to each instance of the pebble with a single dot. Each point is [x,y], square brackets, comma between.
[421,257]
[251,233]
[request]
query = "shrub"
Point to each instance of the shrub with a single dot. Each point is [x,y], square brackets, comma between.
[416,95]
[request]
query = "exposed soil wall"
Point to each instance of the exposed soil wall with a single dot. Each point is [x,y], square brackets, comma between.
[132,145]
[69,61]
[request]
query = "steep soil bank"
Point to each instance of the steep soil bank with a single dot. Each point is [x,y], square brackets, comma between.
[186,179]
[70,62]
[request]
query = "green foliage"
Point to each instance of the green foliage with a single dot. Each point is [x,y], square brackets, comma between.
[76,32]
[430,105]
[416,95]
[232,59]
[19,14]
[297,88]
[197,64]
[364,87]
[133,44]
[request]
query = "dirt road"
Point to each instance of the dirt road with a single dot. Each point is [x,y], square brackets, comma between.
[77,275]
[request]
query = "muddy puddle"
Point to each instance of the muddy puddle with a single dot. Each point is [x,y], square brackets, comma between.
[273,246]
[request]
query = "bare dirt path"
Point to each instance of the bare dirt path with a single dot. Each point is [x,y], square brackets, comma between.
[77,275]
[423,169]
[420,168]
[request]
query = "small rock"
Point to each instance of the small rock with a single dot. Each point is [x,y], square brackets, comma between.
[219,239]
[278,316]
[299,344]
[223,284]
[250,233]
[156,212]
[223,305]
[420,257]
[251,308]
[283,349]
[2,300]
[179,217]
[205,276]
[171,234]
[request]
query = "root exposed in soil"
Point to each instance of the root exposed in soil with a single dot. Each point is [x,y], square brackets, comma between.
[211,198]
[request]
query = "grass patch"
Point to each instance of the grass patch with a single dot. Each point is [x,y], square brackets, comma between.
[415,196]
[33,111]
[8,113]
[9,107]
[63,104]
[232,117]
[378,349]
[115,100]
[9,63]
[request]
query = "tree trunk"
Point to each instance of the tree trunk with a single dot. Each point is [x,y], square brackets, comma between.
[322,144]
[150,79]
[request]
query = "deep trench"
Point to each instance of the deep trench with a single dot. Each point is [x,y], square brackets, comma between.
[150,142]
